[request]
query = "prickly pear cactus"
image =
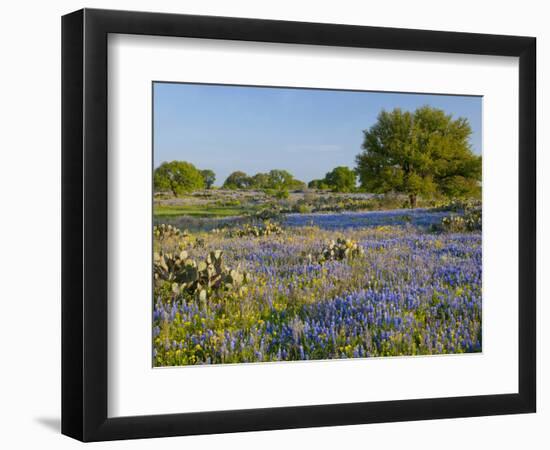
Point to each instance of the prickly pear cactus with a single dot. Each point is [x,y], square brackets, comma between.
[164,231]
[340,249]
[453,224]
[265,229]
[198,280]
[473,218]
[470,221]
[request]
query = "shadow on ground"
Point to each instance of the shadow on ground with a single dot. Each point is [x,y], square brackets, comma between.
[52,423]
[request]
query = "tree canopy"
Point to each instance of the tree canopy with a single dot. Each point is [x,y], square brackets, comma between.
[274,179]
[237,180]
[424,152]
[341,179]
[178,177]
[259,181]
[282,179]
[318,184]
[209,177]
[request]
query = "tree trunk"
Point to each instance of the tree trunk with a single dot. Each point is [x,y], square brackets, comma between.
[412,200]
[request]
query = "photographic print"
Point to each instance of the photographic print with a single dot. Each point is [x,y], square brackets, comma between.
[295,224]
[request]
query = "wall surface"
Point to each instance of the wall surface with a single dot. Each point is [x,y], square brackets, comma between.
[30,230]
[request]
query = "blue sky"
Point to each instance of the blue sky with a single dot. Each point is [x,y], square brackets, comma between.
[255,129]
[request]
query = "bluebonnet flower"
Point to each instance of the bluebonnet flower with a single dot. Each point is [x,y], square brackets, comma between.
[412,293]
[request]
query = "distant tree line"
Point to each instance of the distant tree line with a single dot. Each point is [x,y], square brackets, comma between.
[420,153]
[274,179]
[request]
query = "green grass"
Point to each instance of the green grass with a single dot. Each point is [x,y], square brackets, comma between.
[198,211]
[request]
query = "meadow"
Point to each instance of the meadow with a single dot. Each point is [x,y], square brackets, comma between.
[313,278]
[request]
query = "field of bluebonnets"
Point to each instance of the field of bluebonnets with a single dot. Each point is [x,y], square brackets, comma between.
[317,285]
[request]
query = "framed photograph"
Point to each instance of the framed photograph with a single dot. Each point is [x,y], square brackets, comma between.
[272,224]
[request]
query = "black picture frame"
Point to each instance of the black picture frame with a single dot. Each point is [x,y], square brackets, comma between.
[84,224]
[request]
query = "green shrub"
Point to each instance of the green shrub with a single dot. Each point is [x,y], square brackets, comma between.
[271,213]
[304,208]
[282,194]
